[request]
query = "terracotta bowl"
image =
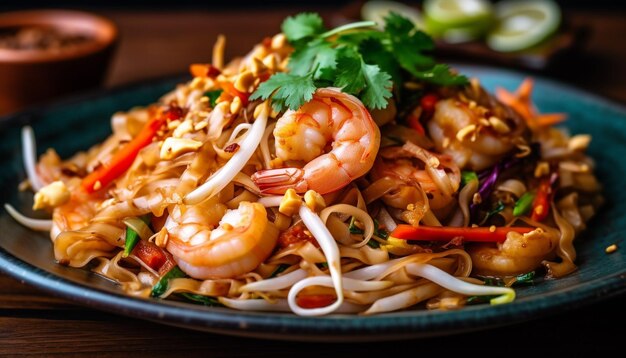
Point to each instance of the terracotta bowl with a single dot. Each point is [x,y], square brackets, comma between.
[29,76]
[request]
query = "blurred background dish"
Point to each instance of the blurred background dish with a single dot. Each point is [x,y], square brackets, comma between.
[528,34]
[48,53]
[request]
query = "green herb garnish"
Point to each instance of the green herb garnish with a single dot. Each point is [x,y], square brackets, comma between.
[380,232]
[355,230]
[132,237]
[164,282]
[280,268]
[205,300]
[525,279]
[523,204]
[468,176]
[362,61]
[498,208]
[213,96]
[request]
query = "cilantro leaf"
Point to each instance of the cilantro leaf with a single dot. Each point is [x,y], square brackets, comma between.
[302,26]
[374,53]
[378,87]
[360,79]
[441,75]
[349,72]
[363,62]
[287,90]
[200,299]
[356,38]
[316,54]
[408,42]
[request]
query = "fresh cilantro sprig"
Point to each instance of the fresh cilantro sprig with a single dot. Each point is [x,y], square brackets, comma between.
[363,62]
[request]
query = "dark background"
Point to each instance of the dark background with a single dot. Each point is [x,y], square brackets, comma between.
[152,32]
[180,4]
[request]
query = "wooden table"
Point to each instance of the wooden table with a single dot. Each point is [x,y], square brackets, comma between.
[159,43]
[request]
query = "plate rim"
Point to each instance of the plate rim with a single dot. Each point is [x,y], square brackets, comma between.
[334,327]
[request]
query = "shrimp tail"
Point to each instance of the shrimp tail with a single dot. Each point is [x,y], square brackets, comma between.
[277,181]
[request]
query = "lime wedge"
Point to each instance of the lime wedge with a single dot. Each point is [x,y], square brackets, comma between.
[457,20]
[523,24]
[378,10]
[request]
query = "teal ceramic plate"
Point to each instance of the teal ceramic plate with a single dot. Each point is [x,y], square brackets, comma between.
[76,124]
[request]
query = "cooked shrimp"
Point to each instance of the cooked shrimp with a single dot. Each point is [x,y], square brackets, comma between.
[435,174]
[76,212]
[206,247]
[475,135]
[331,119]
[520,253]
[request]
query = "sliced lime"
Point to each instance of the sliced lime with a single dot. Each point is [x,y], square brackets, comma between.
[457,20]
[523,24]
[378,10]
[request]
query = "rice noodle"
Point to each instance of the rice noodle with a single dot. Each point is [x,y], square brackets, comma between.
[276,283]
[358,214]
[226,173]
[265,151]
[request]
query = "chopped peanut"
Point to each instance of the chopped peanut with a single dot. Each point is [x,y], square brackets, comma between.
[235,105]
[579,142]
[611,249]
[257,66]
[271,61]
[498,125]
[542,168]
[464,132]
[291,203]
[278,41]
[173,147]
[184,128]
[314,200]
[244,81]
[52,195]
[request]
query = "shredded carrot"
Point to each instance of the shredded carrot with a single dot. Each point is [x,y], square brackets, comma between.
[230,90]
[521,102]
[125,156]
[203,70]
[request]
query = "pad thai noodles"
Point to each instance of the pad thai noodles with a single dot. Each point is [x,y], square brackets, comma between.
[327,171]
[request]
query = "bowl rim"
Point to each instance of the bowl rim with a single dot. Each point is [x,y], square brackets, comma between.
[104,31]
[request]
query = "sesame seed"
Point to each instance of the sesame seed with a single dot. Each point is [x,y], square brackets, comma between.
[492,228]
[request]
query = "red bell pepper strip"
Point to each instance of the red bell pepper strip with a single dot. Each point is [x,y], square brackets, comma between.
[150,254]
[428,103]
[123,158]
[153,256]
[315,301]
[440,233]
[541,204]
